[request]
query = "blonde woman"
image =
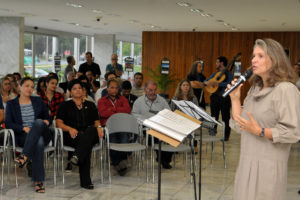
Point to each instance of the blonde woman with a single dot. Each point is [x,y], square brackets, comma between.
[269,123]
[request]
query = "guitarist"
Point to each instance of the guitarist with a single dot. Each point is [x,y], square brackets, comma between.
[217,102]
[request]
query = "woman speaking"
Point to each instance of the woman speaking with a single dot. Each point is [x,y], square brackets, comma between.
[268,122]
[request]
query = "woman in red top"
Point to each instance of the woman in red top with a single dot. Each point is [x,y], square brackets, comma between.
[52,98]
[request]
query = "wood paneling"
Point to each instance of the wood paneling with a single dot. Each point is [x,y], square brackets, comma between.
[183,48]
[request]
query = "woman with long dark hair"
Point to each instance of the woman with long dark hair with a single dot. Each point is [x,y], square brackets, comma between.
[28,117]
[51,98]
[196,78]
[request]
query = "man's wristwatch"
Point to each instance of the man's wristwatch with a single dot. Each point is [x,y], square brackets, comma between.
[99,126]
[262,133]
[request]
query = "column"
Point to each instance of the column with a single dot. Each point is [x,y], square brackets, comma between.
[104,46]
[11,45]
[77,51]
[54,50]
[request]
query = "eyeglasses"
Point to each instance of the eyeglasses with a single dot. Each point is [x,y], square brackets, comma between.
[114,59]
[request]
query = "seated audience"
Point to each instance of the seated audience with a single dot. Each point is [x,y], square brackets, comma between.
[14,84]
[81,127]
[28,117]
[126,89]
[114,66]
[64,85]
[111,104]
[6,90]
[138,89]
[85,95]
[108,76]
[149,105]
[41,86]
[58,89]
[51,98]
[18,77]
[95,85]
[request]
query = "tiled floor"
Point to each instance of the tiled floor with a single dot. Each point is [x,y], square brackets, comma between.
[217,182]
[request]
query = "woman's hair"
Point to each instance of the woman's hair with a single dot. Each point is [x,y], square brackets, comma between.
[193,71]
[5,78]
[26,79]
[38,87]
[49,78]
[281,69]
[178,93]
[74,82]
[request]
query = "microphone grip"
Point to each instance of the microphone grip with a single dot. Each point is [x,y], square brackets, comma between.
[238,82]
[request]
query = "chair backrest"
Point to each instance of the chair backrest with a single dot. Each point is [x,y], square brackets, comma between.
[122,122]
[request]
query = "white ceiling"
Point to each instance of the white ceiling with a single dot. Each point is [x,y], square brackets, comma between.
[155,15]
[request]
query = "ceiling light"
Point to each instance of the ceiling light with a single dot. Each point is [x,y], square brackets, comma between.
[183,4]
[209,15]
[225,24]
[97,11]
[196,10]
[74,5]
[219,20]
[234,29]
[75,24]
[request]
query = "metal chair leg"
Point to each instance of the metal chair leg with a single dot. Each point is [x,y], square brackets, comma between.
[224,155]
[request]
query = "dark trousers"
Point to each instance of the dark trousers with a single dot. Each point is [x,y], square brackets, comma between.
[83,145]
[117,156]
[166,157]
[217,104]
[33,145]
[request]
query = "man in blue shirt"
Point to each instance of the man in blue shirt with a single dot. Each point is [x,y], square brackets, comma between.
[115,66]
[217,102]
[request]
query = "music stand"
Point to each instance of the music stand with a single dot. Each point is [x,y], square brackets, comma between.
[208,122]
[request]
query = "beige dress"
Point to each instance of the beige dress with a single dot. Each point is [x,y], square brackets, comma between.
[262,169]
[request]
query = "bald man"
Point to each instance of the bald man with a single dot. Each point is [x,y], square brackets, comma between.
[115,66]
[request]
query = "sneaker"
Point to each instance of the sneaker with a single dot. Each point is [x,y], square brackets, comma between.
[74,160]
[69,168]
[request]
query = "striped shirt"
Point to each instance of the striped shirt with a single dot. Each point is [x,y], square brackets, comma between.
[27,113]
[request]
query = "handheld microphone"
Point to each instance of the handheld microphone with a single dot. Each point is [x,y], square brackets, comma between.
[241,80]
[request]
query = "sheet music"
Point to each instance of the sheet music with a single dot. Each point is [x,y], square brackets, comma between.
[193,110]
[169,132]
[175,122]
[171,124]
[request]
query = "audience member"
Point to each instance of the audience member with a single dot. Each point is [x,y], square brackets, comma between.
[149,105]
[51,98]
[95,85]
[41,85]
[64,85]
[90,65]
[70,67]
[6,90]
[126,89]
[108,76]
[111,104]
[28,117]
[114,66]
[297,71]
[13,84]
[18,77]
[85,95]
[58,89]
[81,127]
[138,89]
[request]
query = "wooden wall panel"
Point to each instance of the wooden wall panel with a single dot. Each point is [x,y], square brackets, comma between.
[183,48]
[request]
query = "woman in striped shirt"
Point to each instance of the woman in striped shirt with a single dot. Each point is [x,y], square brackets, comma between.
[29,118]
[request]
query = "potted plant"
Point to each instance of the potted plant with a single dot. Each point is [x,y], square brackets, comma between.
[164,81]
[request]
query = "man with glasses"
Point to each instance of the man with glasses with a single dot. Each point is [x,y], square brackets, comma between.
[149,105]
[115,66]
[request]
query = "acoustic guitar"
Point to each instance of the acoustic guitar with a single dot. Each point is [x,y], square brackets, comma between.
[220,76]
